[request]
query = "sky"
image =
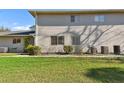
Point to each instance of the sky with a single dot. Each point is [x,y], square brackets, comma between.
[16,19]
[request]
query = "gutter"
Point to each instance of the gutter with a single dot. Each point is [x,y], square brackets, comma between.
[73,11]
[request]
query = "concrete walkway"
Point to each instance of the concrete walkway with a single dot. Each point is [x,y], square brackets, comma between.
[90,56]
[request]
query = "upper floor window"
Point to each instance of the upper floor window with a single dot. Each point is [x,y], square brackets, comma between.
[57,40]
[72,18]
[99,18]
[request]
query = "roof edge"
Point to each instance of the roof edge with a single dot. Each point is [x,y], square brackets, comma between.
[74,11]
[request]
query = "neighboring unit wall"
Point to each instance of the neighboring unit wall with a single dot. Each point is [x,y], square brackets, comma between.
[7,41]
[84,19]
[91,33]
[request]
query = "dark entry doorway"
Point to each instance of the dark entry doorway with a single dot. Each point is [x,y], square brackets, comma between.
[116,49]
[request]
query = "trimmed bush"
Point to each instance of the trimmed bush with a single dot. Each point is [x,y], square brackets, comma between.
[27,41]
[33,50]
[68,49]
[81,51]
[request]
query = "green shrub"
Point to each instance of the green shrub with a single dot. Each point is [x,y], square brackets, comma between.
[68,49]
[81,51]
[33,50]
[27,41]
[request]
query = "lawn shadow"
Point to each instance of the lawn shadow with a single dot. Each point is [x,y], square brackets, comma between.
[107,75]
[121,60]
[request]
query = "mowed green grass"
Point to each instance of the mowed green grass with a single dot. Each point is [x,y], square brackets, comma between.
[59,70]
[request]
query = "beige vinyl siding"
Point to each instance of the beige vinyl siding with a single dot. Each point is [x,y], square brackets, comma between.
[97,34]
[7,41]
[64,20]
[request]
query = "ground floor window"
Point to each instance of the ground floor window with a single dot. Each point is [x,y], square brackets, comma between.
[57,40]
[104,50]
[53,40]
[16,40]
[75,40]
[116,49]
[61,40]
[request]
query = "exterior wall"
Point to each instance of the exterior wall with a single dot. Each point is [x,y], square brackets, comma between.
[84,19]
[7,41]
[91,33]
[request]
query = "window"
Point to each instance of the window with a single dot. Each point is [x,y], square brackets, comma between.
[61,40]
[99,18]
[57,40]
[16,41]
[72,19]
[75,40]
[53,40]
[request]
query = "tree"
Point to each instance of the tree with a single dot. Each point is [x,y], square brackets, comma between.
[2,29]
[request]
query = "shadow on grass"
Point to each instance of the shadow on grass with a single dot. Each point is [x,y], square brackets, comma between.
[121,59]
[107,75]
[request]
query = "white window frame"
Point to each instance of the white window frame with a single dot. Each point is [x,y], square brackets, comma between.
[75,40]
[57,40]
[16,41]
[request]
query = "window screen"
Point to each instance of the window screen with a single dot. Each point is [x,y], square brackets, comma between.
[72,18]
[61,40]
[75,40]
[53,40]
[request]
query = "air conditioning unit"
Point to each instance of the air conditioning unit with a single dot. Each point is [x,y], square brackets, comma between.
[3,49]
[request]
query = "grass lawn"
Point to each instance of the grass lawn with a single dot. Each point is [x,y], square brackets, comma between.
[70,69]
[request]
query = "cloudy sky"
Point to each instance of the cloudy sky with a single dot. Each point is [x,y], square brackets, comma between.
[16,19]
